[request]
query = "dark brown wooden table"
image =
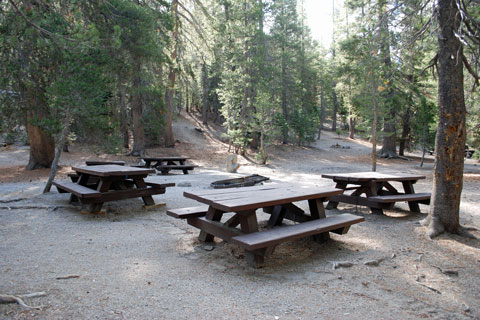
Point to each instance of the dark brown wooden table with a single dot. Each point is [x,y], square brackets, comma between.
[112,182]
[165,164]
[377,189]
[276,200]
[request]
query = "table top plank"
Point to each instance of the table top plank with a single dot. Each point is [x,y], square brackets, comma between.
[237,199]
[369,176]
[207,192]
[164,158]
[113,170]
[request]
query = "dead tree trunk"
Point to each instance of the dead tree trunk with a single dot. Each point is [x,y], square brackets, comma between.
[61,142]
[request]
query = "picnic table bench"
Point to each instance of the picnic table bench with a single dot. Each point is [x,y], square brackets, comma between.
[276,200]
[166,164]
[379,193]
[110,183]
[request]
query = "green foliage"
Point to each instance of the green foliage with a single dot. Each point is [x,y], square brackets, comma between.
[304,126]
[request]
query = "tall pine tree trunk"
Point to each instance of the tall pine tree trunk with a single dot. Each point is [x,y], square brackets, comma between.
[351,126]
[284,97]
[124,116]
[389,146]
[405,131]
[42,145]
[137,111]
[204,93]
[168,130]
[335,107]
[451,132]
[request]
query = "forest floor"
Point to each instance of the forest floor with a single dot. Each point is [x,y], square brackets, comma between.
[132,263]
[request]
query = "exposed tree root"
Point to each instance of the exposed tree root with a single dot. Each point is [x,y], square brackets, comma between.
[6,298]
[464,232]
[393,156]
[435,228]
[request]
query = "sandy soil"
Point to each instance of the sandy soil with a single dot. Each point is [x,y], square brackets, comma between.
[133,263]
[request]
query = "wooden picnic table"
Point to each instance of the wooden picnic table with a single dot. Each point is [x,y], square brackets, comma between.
[111,182]
[276,200]
[165,164]
[378,191]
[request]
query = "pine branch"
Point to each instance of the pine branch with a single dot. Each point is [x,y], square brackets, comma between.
[432,64]
[37,27]
[471,71]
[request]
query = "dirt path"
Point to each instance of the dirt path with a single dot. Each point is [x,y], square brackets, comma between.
[138,264]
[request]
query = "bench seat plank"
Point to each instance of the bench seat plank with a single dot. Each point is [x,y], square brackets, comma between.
[184,213]
[104,162]
[274,236]
[76,189]
[177,166]
[156,185]
[401,197]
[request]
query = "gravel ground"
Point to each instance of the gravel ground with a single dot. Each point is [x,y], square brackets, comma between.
[133,263]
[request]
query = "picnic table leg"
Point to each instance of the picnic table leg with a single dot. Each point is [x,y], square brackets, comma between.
[103,186]
[408,187]
[249,224]
[214,215]
[333,204]
[82,180]
[373,189]
[317,211]
[140,183]
[276,216]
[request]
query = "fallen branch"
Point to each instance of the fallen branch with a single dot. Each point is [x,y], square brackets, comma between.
[6,298]
[430,288]
[448,272]
[72,276]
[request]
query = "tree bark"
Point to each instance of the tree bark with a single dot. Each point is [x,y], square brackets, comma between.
[137,111]
[168,130]
[351,126]
[322,110]
[284,96]
[375,122]
[335,107]
[124,117]
[405,131]
[204,93]
[42,144]
[187,98]
[451,132]
[389,145]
